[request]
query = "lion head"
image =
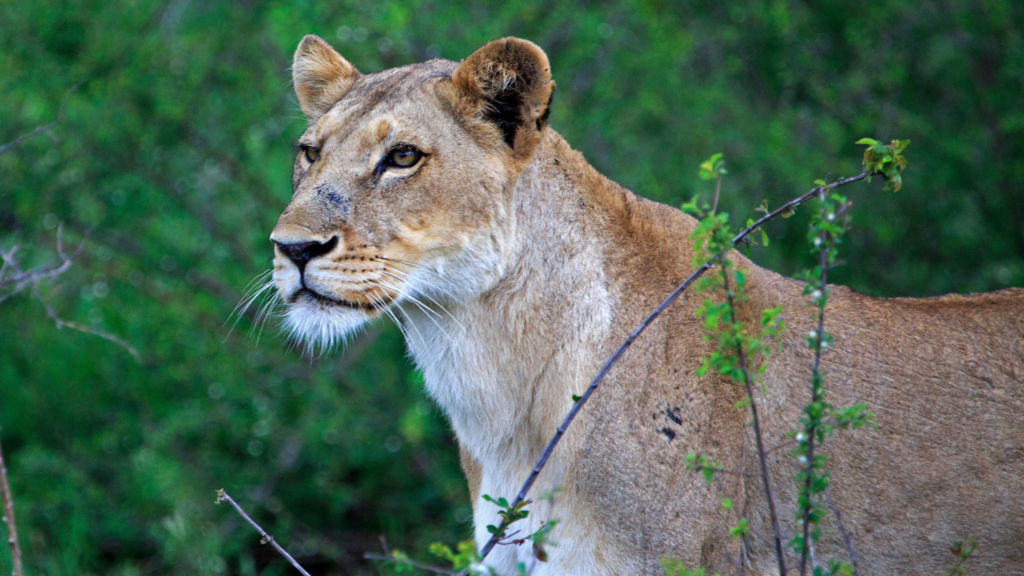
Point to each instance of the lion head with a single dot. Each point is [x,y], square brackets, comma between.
[402,187]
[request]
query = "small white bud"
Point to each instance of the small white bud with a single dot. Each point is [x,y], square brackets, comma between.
[802,459]
[817,242]
[831,217]
[812,334]
[816,294]
[800,437]
[824,344]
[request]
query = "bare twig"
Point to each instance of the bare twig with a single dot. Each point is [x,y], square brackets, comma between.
[761,454]
[578,405]
[12,529]
[408,562]
[222,496]
[847,541]
[22,279]
[42,128]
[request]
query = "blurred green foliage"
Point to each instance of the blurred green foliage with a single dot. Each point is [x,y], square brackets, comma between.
[174,150]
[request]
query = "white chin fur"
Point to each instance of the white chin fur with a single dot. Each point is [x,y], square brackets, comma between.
[318,325]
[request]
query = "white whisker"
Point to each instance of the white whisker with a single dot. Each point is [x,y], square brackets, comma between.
[429,313]
[391,272]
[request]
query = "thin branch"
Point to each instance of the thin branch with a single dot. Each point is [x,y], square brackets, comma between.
[847,541]
[38,130]
[43,127]
[816,376]
[222,496]
[408,562]
[578,405]
[762,455]
[12,529]
[36,274]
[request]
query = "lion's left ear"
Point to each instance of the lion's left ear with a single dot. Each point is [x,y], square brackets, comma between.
[321,76]
[507,82]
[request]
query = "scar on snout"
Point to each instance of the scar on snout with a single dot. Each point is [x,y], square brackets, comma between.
[329,194]
[336,198]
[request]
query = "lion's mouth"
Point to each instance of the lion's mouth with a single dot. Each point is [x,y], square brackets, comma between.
[318,297]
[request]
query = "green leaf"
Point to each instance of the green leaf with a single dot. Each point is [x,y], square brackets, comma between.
[764,237]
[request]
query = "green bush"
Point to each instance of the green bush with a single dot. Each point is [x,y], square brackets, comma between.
[174,153]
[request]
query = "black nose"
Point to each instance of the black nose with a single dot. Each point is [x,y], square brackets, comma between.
[303,252]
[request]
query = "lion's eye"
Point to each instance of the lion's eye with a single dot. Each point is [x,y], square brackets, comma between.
[404,157]
[312,153]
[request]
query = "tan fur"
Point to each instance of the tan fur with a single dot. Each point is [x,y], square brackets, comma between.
[516,270]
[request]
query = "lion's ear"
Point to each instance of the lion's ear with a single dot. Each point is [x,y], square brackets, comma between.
[321,76]
[507,82]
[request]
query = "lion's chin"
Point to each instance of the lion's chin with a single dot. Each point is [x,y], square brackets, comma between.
[324,324]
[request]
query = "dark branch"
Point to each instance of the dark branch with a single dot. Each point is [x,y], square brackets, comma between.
[761,454]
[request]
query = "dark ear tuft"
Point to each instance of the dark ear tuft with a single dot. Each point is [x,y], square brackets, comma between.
[543,120]
[321,76]
[504,109]
[508,83]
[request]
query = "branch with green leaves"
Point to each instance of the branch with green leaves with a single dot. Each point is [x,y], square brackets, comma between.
[820,418]
[752,227]
[735,344]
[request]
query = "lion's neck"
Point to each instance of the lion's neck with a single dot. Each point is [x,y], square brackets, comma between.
[504,365]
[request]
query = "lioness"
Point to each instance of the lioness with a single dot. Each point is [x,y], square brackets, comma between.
[436,193]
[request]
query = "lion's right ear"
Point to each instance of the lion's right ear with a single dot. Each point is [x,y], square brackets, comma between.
[321,76]
[508,84]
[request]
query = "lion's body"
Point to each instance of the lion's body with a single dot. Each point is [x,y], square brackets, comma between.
[567,263]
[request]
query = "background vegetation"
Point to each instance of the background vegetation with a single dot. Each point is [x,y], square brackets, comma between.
[174,149]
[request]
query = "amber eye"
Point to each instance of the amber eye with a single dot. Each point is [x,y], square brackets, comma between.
[312,153]
[404,157]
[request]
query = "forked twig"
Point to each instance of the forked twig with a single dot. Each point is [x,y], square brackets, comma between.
[22,279]
[578,405]
[222,496]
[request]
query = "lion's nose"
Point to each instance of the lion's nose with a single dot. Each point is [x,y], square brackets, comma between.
[302,252]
